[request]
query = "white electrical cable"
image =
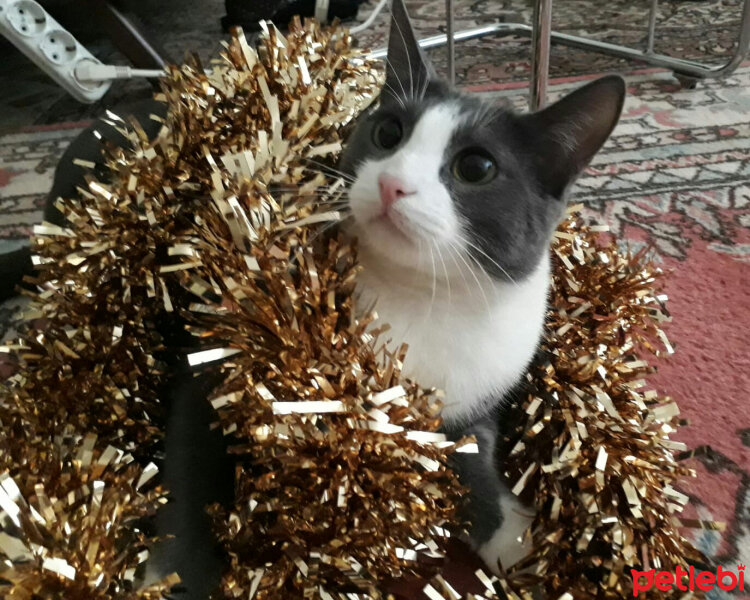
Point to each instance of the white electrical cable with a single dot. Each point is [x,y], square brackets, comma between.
[321,10]
[370,20]
[90,71]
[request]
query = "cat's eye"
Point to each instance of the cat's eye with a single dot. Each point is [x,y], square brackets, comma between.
[387,133]
[474,166]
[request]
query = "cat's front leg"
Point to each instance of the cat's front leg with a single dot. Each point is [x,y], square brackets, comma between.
[507,545]
[498,519]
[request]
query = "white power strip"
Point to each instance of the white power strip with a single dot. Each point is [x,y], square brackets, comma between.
[35,33]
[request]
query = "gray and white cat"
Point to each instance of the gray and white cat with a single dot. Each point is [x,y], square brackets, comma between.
[454,201]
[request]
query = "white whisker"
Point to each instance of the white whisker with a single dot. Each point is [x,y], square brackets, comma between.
[492,260]
[408,58]
[328,170]
[434,281]
[476,279]
[326,228]
[398,79]
[394,94]
[445,271]
[452,250]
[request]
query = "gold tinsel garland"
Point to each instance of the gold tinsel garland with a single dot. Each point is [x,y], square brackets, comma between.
[222,221]
[593,448]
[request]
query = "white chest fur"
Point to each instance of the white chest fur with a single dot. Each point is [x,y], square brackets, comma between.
[473,344]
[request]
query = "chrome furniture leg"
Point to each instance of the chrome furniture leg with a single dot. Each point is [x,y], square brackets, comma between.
[449,19]
[540,48]
[652,26]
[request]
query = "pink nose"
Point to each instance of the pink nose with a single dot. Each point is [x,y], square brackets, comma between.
[391,189]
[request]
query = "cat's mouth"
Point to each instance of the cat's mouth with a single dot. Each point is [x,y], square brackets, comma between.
[395,224]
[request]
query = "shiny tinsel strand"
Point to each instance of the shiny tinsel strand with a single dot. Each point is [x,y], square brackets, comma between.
[593,449]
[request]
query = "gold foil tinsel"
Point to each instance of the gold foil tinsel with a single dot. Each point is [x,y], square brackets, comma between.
[593,450]
[222,224]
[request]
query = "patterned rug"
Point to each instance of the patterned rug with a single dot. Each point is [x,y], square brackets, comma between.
[675,176]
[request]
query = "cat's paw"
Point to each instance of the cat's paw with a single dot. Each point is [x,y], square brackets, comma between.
[506,545]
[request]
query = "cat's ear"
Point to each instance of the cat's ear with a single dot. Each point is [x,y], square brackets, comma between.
[568,133]
[407,69]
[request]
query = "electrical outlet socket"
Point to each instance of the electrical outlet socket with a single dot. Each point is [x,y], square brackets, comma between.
[27,18]
[59,47]
[54,50]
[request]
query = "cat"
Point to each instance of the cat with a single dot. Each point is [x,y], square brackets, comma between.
[454,201]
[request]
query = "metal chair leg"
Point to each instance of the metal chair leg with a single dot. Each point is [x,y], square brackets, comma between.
[683,69]
[540,48]
[652,26]
[128,36]
[687,68]
[449,19]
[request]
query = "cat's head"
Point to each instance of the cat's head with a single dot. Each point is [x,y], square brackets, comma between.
[437,170]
